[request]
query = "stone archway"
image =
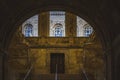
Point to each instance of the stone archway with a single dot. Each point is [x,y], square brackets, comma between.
[76,51]
[82,12]
[28,13]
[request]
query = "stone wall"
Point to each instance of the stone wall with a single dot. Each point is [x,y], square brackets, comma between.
[73,64]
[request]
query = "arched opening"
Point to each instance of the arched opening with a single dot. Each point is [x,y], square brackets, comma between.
[82,57]
[28,30]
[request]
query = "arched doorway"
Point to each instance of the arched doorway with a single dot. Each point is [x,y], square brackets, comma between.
[83,55]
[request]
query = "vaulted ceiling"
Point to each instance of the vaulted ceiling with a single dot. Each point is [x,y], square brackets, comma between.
[103,15]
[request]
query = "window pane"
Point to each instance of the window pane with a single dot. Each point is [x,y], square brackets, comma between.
[87,31]
[28,30]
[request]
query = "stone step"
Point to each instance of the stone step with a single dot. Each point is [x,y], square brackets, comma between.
[59,77]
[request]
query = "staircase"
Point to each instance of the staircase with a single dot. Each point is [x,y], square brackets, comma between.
[59,77]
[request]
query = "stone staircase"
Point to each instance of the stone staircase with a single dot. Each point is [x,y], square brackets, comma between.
[59,77]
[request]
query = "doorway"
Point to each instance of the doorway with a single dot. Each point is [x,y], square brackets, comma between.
[57,63]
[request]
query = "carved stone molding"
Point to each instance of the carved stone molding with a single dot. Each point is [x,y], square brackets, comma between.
[56,42]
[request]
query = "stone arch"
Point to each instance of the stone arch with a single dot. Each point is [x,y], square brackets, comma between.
[82,12]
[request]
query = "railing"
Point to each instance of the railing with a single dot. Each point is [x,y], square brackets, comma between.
[84,75]
[56,76]
[28,72]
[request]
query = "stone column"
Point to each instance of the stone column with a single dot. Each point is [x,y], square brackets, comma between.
[3,70]
[1,65]
[43,24]
[116,66]
[108,62]
[71,25]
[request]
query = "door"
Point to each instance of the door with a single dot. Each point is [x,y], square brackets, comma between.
[57,62]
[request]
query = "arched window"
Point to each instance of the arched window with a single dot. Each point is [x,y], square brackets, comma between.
[30,27]
[57,24]
[83,28]
[87,30]
[28,30]
[58,30]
